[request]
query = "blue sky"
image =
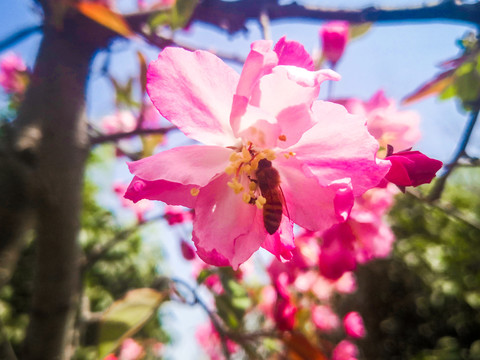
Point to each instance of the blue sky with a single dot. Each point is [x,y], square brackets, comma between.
[394,57]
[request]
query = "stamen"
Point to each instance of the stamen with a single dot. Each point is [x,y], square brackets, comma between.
[246,198]
[194,191]
[252,186]
[235,185]
[260,202]
[282,137]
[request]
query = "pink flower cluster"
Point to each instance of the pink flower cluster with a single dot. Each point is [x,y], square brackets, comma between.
[12,74]
[273,154]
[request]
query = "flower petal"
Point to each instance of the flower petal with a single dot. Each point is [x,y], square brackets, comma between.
[310,204]
[293,53]
[281,242]
[166,191]
[339,146]
[222,218]
[194,91]
[188,165]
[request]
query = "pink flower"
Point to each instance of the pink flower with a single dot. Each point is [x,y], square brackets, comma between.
[411,168]
[177,215]
[318,154]
[187,250]
[284,314]
[337,254]
[209,339]
[130,350]
[334,35]
[353,324]
[110,357]
[385,122]
[121,121]
[11,69]
[345,350]
[324,318]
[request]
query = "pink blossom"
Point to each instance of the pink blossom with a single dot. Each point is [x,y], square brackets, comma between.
[385,122]
[121,121]
[284,314]
[177,215]
[110,357]
[269,113]
[337,254]
[188,251]
[411,168]
[334,35]
[130,350]
[345,350]
[324,318]
[11,69]
[354,326]
[140,208]
[209,339]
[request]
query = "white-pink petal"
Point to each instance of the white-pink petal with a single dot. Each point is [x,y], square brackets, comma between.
[194,91]
[188,165]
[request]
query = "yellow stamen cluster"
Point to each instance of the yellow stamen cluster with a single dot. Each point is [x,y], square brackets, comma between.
[245,162]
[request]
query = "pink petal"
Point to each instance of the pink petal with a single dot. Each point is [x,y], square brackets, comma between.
[339,146]
[188,165]
[289,86]
[337,255]
[194,91]
[354,326]
[223,222]
[281,242]
[260,61]
[310,204]
[166,191]
[293,53]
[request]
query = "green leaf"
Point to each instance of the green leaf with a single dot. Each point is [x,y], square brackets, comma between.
[358,30]
[126,316]
[176,17]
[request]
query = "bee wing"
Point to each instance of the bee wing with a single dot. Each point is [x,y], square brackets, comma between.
[284,202]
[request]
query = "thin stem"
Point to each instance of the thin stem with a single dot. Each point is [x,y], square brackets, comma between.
[18,36]
[439,185]
[264,21]
[118,136]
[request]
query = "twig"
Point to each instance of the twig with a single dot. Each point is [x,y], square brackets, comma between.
[449,210]
[218,327]
[439,185]
[18,36]
[264,21]
[118,136]
[100,251]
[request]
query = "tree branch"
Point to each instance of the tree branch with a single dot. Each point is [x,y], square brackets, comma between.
[100,139]
[18,36]
[439,185]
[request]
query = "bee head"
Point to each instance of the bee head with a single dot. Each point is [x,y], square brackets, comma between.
[264,163]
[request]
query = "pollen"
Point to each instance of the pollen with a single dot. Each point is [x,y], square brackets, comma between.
[289,155]
[235,185]
[282,137]
[194,191]
[246,198]
[252,186]
[269,154]
[260,202]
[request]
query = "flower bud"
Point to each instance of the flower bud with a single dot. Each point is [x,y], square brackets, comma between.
[334,35]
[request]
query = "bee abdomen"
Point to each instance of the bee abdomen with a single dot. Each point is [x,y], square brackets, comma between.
[272,215]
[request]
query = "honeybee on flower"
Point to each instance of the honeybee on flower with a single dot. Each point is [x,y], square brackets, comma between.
[266,118]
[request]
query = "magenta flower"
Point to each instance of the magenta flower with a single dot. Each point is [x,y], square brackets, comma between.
[345,350]
[334,35]
[354,326]
[273,154]
[12,67]
[411,168]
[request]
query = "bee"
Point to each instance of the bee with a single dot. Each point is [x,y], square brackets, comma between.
[268,180]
